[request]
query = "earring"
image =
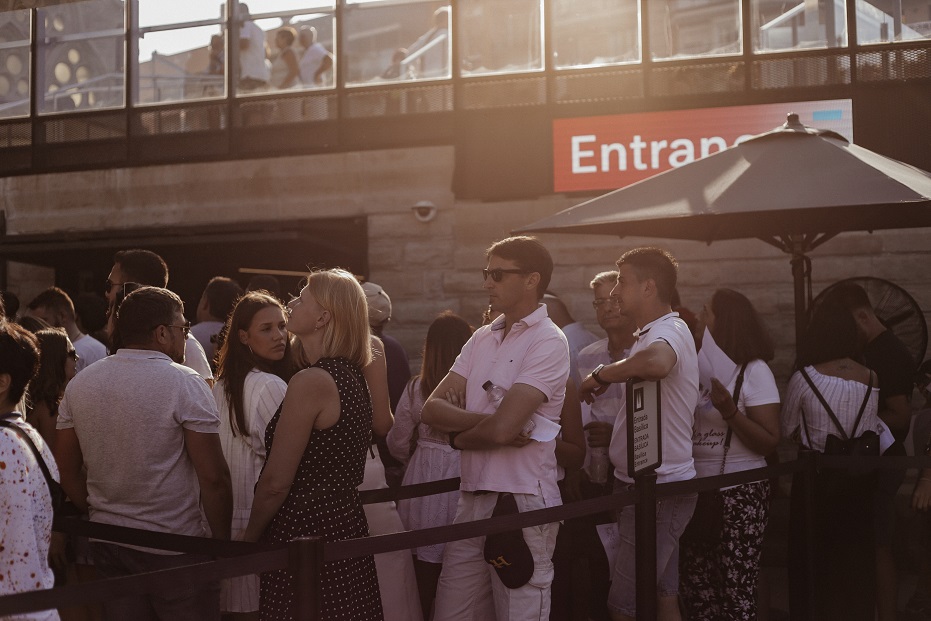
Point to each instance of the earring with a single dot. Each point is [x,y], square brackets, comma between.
[250,351]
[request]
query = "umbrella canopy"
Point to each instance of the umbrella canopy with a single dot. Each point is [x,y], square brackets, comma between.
[793,187]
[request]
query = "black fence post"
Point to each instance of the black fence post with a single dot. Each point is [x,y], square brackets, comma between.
[305,561]
[811,476]
[645,538]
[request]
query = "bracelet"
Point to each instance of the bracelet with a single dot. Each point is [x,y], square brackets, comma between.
[597,378]
[733,414]
[452,439]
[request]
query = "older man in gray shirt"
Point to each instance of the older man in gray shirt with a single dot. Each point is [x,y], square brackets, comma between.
[146,429]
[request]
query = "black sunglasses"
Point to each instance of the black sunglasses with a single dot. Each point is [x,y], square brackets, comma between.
[498,273]
[185,328]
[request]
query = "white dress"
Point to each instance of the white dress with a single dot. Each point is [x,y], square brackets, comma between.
[262,394]
[433,460]
[397,582]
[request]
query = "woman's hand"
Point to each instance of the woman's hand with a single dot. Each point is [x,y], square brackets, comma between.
[722,399]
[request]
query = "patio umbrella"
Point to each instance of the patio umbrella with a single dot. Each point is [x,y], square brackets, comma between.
[794,187]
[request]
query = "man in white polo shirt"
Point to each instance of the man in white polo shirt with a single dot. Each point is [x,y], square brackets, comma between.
[665,351]
[523,352]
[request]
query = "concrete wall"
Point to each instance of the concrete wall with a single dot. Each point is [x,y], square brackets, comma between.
[430,267]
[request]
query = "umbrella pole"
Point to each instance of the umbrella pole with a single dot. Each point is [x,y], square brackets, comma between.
[801,277]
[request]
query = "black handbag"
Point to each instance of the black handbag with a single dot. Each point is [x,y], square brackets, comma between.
[708,518]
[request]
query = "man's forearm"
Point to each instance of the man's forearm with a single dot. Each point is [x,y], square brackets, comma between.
[218,509]
[445,417]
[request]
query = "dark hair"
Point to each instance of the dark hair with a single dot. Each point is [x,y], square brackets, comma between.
[142,311]
[32,324]
[651,263]
[10,304]
[221,294]
[54,299]
[738,330]
[528,254]
[851,295]
[142,266]
[235,360]
[265,282]
[445,338]
[49,382]
[831,334]
[288,34]
[19,356]
[91,310]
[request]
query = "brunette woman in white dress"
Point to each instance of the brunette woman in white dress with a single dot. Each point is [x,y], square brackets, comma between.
[253,369]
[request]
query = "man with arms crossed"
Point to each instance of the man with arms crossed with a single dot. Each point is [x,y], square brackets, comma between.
[664,350]
[525,353]
[147,430]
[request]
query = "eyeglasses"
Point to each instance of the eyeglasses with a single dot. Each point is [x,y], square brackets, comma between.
[606,302]
[185,328]
[498,273]
[73,354]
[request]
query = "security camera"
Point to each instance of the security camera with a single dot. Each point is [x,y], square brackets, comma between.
[424,211]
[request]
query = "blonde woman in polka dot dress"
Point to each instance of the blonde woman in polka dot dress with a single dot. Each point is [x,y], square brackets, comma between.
[316,452]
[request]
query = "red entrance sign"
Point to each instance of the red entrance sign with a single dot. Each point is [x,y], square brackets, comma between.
[610,152]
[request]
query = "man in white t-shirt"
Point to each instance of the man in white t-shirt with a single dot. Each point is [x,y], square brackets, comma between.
[254,68]
[144,267]
[665,352]
[216,303]
[316,60]
[577,335]
[54,307]
[138,445]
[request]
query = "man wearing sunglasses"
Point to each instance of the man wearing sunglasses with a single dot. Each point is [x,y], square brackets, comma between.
[525,353]
[146,429]
[144,267]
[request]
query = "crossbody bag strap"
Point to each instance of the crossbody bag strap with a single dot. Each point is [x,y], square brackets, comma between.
[827,408]
[35,450]
[735,396]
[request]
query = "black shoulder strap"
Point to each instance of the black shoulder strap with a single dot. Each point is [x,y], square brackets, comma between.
[35,450]
[735,396]
[866,399]
[827,408]
[856,423]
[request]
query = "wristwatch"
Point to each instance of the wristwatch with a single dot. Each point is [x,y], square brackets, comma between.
[597,378]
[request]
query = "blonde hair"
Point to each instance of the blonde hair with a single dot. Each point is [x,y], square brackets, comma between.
[347,333]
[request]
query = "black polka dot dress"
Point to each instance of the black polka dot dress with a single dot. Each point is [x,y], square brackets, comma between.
[324,502]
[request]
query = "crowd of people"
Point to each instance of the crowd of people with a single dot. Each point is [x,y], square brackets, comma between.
[258,424]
